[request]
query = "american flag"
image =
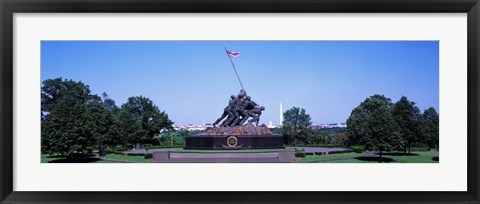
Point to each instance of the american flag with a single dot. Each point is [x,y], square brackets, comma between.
[233,54]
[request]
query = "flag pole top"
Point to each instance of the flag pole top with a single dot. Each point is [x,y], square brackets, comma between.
[230,55]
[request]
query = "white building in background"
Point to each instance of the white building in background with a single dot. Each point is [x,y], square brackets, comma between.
[270,125]
[191,127]
[331,125]
[342,125]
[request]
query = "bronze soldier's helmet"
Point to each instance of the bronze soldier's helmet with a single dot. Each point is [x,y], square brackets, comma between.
[243,93]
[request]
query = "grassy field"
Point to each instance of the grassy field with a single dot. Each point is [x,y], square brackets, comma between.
[61,159]
[95,159]
[47,159]
[316,158]
[368,157]
[239,150]
[415,157]
[134,159]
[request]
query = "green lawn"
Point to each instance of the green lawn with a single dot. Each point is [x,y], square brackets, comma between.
[94,159]
[61,159]
[415,157]
[135,159]
[46,158]
[239,150]
[312,158]
[422,157]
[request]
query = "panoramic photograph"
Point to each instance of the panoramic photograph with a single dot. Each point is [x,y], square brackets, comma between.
[240,102]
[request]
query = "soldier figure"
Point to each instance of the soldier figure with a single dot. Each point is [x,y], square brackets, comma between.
[239,111]
[232,117]
[227,111]
[242,93]
[255,114]
[249,105]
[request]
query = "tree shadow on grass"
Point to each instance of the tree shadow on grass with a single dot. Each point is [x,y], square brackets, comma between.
[435,159]
[76,160]
[375,159]
[396,154]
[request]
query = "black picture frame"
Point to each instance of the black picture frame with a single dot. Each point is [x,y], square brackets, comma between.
[9,7]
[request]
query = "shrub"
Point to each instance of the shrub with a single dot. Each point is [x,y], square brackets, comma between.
[343,151]
[300,154]
[109,150]
[119,149]
[357,148]
[135,154]
[148,147]
[148,156]
[319,153]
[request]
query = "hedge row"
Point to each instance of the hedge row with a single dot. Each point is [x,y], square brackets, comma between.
[148,156]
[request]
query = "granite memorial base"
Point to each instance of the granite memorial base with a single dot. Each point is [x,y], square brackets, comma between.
[226,142]
[241,137]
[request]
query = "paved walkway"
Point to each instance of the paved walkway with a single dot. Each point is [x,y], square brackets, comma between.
[225,157]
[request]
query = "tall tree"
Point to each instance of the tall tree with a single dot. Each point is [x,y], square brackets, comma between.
[407,117]
[67,124]
[109,104]
[140,120]
[112,137]
[430,127]
[371,125]
[296,125]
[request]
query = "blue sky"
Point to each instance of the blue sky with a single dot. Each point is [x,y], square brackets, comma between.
[192,80]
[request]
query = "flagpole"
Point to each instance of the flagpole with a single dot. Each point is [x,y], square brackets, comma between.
[233,65]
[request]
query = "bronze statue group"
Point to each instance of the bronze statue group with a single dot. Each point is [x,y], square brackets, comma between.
[239,109]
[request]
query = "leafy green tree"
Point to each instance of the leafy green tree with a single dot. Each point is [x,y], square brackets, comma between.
[174,138]
[371,125]
[112,137]
[109,104]
[407,116]
[68,124]
[430,127]
[296,126]
[100,120]
[57,92]
[140,120]
[329,136]
[317,137]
